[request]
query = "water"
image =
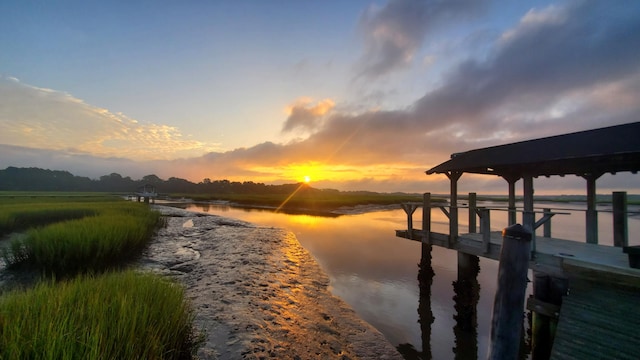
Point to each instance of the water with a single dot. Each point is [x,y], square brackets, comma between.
[376,273]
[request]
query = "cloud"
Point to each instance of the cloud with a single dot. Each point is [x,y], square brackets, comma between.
[560,69]
[394,33]
[48,119]
[305,114]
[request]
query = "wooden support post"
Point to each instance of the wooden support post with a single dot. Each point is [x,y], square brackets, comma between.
[426,218]
[548,292]
[540,328]
[620,228]
[472,213]
[528,216]
[409,209]
[485,229]
[453,176]
[592,214]
[467,294]
[511,180]
[425,314]
[508,306]
[546,228]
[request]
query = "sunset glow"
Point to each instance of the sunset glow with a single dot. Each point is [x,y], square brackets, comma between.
[361,95]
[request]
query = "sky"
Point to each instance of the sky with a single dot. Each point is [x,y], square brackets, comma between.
[354,95]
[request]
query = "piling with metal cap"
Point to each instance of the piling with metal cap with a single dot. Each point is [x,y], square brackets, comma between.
[508,306]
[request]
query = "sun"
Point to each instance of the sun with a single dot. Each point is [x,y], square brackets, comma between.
[307,179]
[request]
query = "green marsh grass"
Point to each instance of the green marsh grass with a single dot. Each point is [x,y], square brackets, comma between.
[121,315]
[109,234]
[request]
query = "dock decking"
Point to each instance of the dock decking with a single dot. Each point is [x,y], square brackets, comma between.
[598,322]
[552,256]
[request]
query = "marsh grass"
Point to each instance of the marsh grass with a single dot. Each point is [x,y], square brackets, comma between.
[20,217]
[93,236]
[122,315]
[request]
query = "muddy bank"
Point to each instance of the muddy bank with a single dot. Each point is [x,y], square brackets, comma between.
[257,293]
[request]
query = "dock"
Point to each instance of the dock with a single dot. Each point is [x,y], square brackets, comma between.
[586,295]
[553,256]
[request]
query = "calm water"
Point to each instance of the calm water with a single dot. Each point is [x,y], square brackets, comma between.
[376,273]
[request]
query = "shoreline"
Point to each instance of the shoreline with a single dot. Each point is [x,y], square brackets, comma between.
[257,293]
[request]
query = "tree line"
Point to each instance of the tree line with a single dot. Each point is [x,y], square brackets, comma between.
[36,179]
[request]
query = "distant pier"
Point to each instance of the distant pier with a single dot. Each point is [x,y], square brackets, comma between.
[146,193]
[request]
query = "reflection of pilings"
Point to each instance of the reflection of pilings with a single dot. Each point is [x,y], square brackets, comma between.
[425,279]
[467,294]
[425,315]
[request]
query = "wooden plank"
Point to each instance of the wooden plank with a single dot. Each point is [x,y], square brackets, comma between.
[598,321]
[543,308]
[553,256]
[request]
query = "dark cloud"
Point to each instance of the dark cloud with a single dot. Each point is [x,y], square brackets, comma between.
[393,33]
[548,56]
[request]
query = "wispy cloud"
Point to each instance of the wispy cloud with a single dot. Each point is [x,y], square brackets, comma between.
[45,118]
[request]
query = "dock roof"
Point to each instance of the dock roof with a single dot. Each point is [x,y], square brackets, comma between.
[593,152]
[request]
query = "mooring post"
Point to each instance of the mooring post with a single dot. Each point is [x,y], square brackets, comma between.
[620,227]
[508,306]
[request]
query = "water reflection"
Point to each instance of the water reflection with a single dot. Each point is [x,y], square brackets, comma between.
[467,295]
[375,273]
[425,314]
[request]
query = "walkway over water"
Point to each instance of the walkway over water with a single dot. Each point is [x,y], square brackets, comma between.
[553,256]
[612,292]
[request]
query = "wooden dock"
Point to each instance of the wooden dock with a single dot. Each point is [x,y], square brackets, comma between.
[553,256]
[598,317]
[560,267]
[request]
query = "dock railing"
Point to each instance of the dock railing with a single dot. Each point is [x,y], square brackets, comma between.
[541,218]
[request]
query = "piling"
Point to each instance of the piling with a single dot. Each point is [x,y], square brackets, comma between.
[620,227]
[508,306]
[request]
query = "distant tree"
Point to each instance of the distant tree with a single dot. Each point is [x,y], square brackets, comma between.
[152,179]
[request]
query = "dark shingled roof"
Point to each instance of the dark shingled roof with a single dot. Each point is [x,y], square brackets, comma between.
[592,152]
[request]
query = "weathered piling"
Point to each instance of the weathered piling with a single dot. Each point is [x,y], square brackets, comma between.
[467,295]
[472,212]
[620,227]
[508,306]
[425,313]
[548,292]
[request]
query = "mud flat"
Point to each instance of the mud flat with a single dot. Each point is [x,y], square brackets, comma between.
[257,293]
